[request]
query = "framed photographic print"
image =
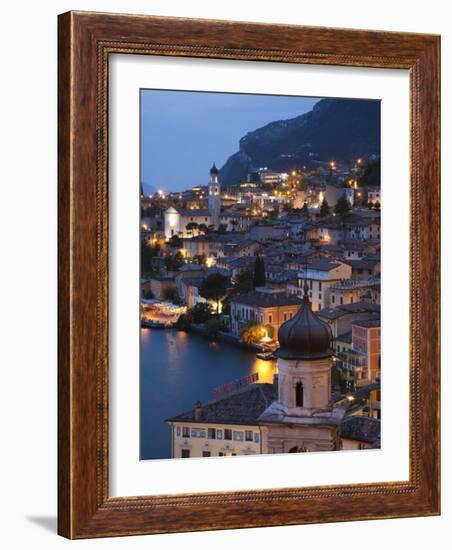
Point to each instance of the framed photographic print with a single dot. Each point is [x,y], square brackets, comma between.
[248,275]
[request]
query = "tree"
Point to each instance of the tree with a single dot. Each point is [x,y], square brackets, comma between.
[174,262]
[269,329]
[214,288]
[305,209]
[342,207]
[222,228]
[244,281]
[199,313]
[259,271]
[175,242]
[203,228]
[212,327]
[148,252]
[372,174]
[252,333]
[324,208]
[360,200]
[200,259]
[169,294]
[273,214]
[192,226]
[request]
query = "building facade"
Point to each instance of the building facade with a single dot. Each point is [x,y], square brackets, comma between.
[267,306]
[320,275]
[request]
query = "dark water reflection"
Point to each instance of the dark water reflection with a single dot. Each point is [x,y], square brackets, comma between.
[177,369]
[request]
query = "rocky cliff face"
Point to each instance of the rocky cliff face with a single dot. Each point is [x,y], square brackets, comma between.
[339,129]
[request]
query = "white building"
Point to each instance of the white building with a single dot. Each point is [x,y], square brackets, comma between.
[321,274]
[185,222]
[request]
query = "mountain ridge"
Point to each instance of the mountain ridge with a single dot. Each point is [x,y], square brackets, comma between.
[339,129]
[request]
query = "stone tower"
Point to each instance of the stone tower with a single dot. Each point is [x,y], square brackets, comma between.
[304,363]
[214,197]
[303,418]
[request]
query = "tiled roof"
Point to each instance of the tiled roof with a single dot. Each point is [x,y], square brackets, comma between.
[365,390]
[193,213]
[361,428]
[331,313]
[322,264]
[361,264]
[360,307]
[243,407]
[367,323]
[346,337]
[230,237]
[266,299]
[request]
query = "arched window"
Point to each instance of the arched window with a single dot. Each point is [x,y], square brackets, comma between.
[299,394]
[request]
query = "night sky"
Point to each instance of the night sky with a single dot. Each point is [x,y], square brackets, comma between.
[182,133]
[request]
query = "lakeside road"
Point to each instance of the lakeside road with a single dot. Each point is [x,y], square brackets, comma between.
[178,368]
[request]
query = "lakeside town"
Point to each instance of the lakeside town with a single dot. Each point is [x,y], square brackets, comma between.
[286,264]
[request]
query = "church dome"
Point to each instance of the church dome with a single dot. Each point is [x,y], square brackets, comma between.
[214,169]
[304,336]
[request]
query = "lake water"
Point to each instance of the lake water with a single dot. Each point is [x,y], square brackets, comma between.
[178,369]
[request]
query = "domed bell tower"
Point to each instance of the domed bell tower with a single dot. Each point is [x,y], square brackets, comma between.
[304,363]
[214,197]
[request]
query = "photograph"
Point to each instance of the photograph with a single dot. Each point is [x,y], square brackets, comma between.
[260,274]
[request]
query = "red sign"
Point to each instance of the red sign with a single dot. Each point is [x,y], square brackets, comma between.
[237,384]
